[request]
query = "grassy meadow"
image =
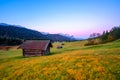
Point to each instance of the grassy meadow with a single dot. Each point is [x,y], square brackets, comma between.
[73,62]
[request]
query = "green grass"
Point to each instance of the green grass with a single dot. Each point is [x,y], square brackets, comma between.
[73,62]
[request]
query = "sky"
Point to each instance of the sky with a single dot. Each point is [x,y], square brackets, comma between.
[79,18]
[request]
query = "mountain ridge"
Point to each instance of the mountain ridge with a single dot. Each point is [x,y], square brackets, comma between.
[15,31]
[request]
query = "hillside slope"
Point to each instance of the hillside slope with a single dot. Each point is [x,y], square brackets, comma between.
[15,31]
[73,62]
[19,32]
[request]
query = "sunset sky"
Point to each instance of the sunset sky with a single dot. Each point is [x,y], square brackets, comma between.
[75,17]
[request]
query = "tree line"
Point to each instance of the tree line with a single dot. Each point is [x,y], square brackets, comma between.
[106,36]
[10,41]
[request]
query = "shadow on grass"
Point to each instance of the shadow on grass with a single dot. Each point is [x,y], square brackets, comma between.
[103,46]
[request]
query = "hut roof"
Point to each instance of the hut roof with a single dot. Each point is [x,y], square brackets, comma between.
[36,44]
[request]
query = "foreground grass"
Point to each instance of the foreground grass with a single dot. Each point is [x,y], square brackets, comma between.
[74,62]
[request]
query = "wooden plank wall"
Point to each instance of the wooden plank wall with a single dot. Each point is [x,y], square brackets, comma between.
[31,52]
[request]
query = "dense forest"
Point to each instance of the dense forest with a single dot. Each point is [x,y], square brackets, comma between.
[106,36]
[10,41]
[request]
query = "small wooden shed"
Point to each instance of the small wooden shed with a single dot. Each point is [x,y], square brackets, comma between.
[36,47]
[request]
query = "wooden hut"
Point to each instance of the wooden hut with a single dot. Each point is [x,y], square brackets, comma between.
[36,47]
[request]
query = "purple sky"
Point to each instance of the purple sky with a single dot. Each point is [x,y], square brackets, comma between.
[75,17]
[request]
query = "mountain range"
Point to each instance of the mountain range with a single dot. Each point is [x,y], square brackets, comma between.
[16,31]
